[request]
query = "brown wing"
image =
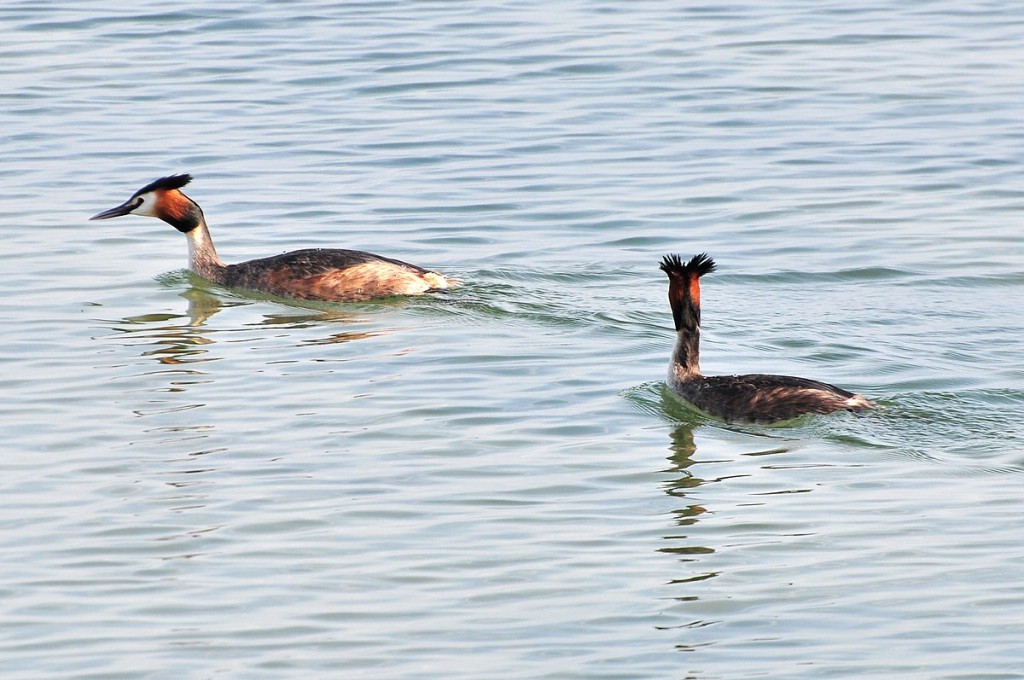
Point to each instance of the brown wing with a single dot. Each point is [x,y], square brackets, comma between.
[766,398]
[332,274]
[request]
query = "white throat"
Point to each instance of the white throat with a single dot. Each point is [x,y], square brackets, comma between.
[202,256]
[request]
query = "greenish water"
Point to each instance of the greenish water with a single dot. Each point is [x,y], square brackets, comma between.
[493,482]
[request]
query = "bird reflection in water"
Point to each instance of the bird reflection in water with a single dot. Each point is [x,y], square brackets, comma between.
[680,487]
[175,339]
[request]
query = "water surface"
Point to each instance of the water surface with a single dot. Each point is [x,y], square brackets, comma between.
[493,482]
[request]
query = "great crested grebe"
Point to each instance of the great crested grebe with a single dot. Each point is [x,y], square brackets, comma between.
[313,274]
[736,398]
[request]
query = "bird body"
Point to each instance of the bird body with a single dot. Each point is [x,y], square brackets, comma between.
[331,274]
[762,398]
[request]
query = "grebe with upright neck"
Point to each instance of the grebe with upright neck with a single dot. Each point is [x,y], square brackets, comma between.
[754,398]
[329,274]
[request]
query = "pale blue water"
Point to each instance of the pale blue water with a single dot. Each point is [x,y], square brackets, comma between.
[493,483]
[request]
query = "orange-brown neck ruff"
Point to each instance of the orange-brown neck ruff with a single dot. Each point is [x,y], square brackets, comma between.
[178,210]
[695,290]
[684,299]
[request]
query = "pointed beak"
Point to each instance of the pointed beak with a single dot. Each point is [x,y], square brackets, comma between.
[123,209]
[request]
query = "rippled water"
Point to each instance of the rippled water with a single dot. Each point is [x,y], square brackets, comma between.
[493,482]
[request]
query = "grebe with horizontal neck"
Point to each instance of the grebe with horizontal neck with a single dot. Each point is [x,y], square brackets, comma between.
[329,274]
[755,398]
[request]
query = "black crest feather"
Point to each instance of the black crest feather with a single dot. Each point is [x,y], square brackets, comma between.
[698,264]
[166,183]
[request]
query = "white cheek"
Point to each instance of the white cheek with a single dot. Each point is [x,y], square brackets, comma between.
[147,207]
